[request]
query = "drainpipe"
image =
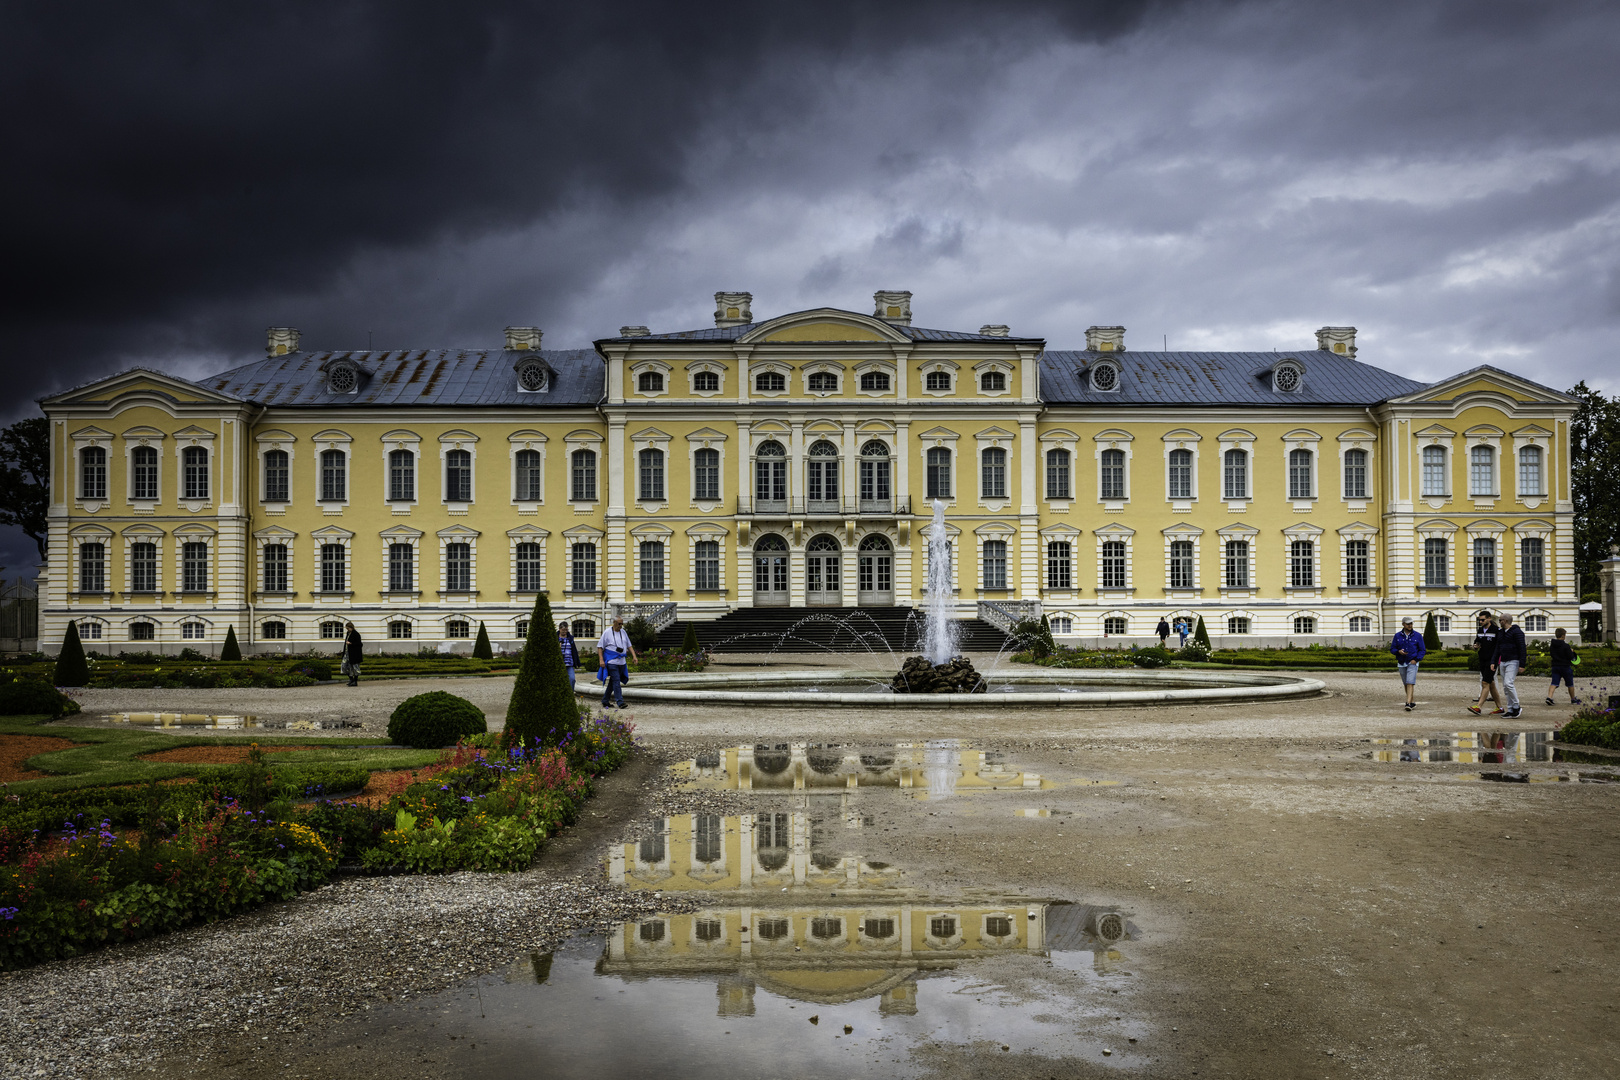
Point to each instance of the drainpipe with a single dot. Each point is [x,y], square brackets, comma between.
[253,619]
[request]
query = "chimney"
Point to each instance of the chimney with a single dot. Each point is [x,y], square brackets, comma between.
[892,307]
[281,340]
[731,308]
[634,331]
[992,330]
[1337,339]
[526,338]
[1105,338]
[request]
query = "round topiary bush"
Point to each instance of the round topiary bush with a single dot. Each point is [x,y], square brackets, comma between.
[26,697]
[430,721]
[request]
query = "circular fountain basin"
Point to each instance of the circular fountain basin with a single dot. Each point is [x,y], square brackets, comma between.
[1064,688]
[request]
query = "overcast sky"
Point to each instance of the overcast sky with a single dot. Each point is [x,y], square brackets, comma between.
[1221,175]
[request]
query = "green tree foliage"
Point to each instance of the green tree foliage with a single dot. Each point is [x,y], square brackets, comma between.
[230,650]
[481,649]
[1594,448]
[642,634]
[689,643]
[1201,635]
[25,486]
[71,667]
[1431,634]
[542,706]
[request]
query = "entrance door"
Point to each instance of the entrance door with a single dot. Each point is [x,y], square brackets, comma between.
[823,572]
[874,583]
[771,572]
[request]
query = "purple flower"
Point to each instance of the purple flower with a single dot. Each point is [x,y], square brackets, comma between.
[9,912]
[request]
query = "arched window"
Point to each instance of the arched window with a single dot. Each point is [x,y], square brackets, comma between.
[1235,474]
[1112,475]
[194,464]
[273,631]
[939,472]
[706,382]
[651,475]
[651,565]
[937,380]
[401,476]
[334,564]
[1057,475]
[875,493]
[1304,624]
[1116,626]
[995,564]
[194,566]
[142,631]
[993,381]
[331,629]
[401,567]
[275,568]
[1059,565]
[1481,471]
[143,567]
[1114,570]
[1299,475]
[875,381]
[706,474]
[1434,471]
[993,473]
[1181,486]
[457,628]
[650,382]
[770,382]
[1237,624]
[1530,471]
[528,475]
[334,476]
[1355,474]
[584,476]
[1237,564]
[399,630]
[92,568]
[821,382]
[458,476]
[582,567]
[530,572]
[276,476]
[1181,564]
[770,475]
[458,567]
[821,475]
[92,473]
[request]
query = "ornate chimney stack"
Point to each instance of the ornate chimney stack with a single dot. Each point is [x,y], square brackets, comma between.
[281,340]
[634,331]
[993,330]
[892,307]
[1337,339]
[732,308]
[523,338]
[1105,338]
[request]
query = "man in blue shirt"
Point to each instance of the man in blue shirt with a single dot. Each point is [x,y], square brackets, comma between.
[1409,651]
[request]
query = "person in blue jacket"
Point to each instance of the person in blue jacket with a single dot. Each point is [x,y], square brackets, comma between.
[1409,651]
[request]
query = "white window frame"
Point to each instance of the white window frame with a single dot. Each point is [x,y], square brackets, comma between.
[1533,530]
[266,442]
[823,367]
[345,539]
[936,439]
[1315,536]
[1103,536]
[1358,531]
[1493,444]
[531,534]
[695,535]
[134,439]
[1302,439]
[1487,530]
[343,442]
[402,534]
[1113,439]
[1058,440]
[1005,441]
[950,369]
[1543,441]
[868,367]
[516,443]
[92,534]
[1194,535]
[583,440]
[1250,536]
[697,368]
[1238,439]
[1001,367]
[1434,530]
[762,367]
[195,534]
[263,539]
[183,441]
[643,367]
[460,440]
[410,442]
[706,439]
[584,534]
[1181,439]
[147,534]
[646,439]
[458,534]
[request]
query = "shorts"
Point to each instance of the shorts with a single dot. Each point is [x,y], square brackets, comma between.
[1565,675]
[1409,673]
[1488,674]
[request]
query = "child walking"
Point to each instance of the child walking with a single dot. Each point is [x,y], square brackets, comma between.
[1563,667]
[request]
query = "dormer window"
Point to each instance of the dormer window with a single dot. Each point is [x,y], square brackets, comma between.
[1286,377]
[650,382]
[343,377]
[1104,377]
[531,375]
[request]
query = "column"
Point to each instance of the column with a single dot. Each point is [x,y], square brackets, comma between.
[1609,579]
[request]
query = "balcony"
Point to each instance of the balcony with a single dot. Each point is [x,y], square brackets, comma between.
[846,507]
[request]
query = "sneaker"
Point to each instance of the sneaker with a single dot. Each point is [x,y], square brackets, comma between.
[1410,705]
[1574,701]
[1498,712]
[1474,709]
[1550,701]
[1514,715]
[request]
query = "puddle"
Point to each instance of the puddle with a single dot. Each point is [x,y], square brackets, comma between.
[1543,778]
[226,721]
[770,850]
[938,768]
[1470,748]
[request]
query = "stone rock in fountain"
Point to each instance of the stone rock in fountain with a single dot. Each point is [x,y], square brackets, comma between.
[918,676]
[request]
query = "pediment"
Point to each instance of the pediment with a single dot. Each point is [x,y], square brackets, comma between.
[824,324]
[139,383]
[401,532]
[707,434]
[1485,381]
[528,532]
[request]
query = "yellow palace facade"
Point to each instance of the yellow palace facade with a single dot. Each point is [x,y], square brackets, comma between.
[794,462]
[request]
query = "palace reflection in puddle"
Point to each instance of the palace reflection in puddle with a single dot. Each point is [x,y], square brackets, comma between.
[938,768]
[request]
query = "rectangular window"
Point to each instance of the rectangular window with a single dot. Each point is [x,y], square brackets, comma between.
[1357,564]
[1360,624]
[458,567]
[1481,471]
[1059,565]
[530,570]
[143,473]
[1300,486]
[1355,474]
[331,630]
[334,476]
[582,568]
[1304,624]
[939,472]
[706,567]
[93,473]
[584,476]
[1536,624]
[334,560]
[275,568]
[1237,564]
[1436,564]
[1235,474]
[1484,562]
[401,567]
[529,476]
[1532,561]
[90,631]
[1237,624]
[1114,575]
[993,474]
[193,631]
[401,476]
[458,476]
[1116,626]
[457,628]
[706,475]
[194,465]
[92,568]
[142,631]
[1181,564]
[652,475]
[399,629]
[995,564]
[1181,473]
[1061,624]
[276,478]
[194,567]
[143,564]
[1057,475]
[652,565]
[1111,480]
[1302,564]
[273,631]
[1530,471]
[1434,471]
[1442,624]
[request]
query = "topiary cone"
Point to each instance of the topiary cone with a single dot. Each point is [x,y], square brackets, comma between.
[1201,635]
[542,707]
[71,667]
[1046,636]
[481,649]
[689,643]
[230,650]
[1431,634]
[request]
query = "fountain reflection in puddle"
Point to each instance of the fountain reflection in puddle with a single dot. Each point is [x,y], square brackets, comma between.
[937,768]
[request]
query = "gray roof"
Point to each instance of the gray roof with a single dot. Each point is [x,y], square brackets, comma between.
[732,333]
[1217,378]
[417,377]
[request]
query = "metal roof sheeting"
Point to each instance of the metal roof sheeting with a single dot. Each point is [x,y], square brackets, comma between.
[732,333]
[1217,378]
[417,377]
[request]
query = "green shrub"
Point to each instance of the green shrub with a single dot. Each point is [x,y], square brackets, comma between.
[435,719]
[642,634]
[542,707]
[1154,657]
[315,667]
[1200,634]
[1194,650]
[689,643]
[1431,635]
[230,650]
[26,697]
[71,667]
[1034,636]
[292,678]
[481,648]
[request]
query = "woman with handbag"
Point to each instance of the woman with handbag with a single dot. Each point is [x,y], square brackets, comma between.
[353,650]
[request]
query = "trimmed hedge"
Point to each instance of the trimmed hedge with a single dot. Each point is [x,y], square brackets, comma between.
[434,720]
[25,697]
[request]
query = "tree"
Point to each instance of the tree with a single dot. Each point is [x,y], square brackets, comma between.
[1201,635]
[25,486]
[1431,635]
[230,650]
[542,707]
[1594,450]
[71,667]
[689,643]
[481,649]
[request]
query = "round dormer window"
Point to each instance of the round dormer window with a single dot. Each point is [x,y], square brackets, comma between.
[1104,377]
[532,375]
[342,378]
[1288,378]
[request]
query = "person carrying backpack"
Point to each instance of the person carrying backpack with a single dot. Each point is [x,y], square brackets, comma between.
[1563,659]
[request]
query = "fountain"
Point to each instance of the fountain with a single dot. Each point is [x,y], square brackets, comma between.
[939,670]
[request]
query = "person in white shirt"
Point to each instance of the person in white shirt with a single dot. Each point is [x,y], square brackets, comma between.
[613,654]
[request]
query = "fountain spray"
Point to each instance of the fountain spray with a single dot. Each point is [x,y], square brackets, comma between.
[939,629]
